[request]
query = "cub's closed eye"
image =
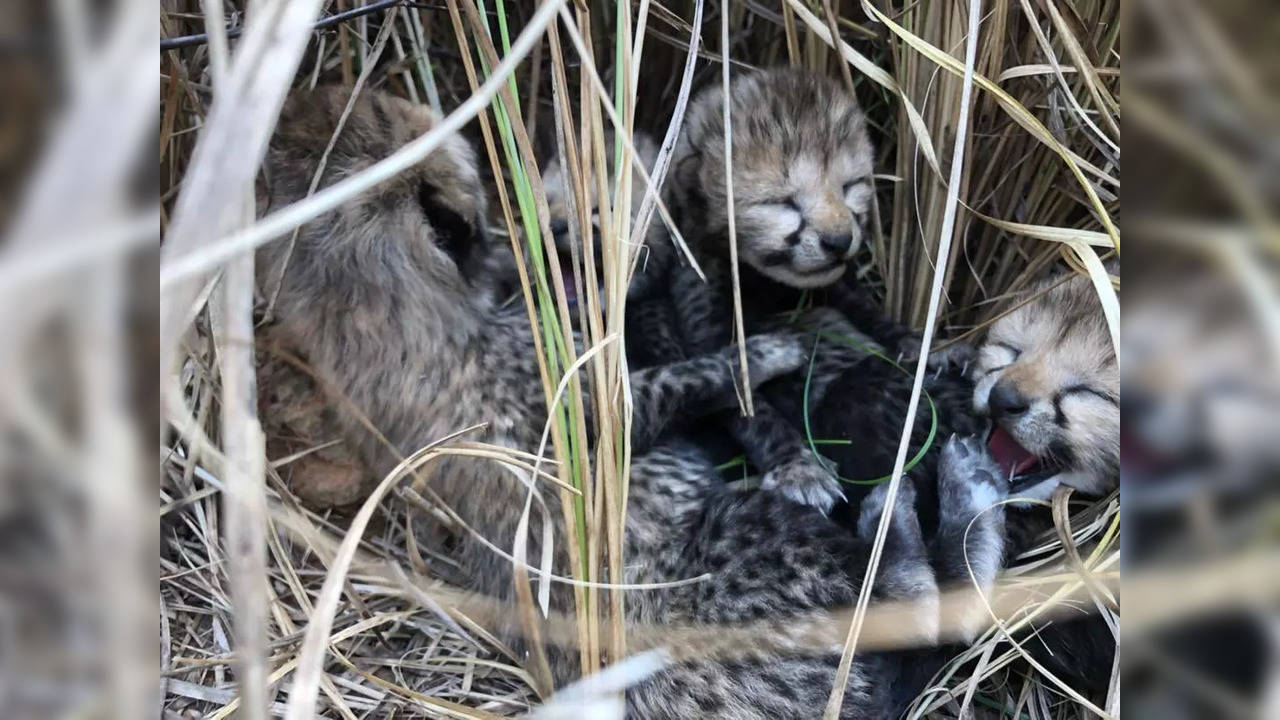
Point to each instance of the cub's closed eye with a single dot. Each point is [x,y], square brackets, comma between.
[1085,391]
[852,184]
[786,202]
[994,362]
[1013,351]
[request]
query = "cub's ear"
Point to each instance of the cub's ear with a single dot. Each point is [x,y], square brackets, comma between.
[687,169]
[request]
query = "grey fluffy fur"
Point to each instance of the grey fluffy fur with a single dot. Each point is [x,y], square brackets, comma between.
[388,299]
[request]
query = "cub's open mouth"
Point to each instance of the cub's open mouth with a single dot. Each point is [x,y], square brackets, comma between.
[1022,467]
[565,257]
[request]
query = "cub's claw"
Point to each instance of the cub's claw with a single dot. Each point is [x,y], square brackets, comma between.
[957,356]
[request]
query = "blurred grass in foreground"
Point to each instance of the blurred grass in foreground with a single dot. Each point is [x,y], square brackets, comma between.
[1201,357]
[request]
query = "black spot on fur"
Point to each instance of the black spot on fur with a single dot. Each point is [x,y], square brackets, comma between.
[778,257]
[781,687]
[1062,453]
[709,704]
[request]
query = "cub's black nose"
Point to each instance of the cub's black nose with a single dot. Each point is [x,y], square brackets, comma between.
[1006,401]
[837,245]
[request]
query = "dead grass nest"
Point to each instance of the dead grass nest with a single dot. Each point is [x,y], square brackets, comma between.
[1040,189]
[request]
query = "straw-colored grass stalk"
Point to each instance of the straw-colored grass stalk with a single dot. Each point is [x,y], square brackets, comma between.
[261,594]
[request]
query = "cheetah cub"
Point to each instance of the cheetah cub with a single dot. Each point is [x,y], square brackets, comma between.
[1048,378]
[802,191]
[384,298]
[802,164]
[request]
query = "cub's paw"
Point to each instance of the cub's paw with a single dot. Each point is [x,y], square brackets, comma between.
[969,479]
[906,573]
[956,357]
[904,508]
[806,479]
[770,355]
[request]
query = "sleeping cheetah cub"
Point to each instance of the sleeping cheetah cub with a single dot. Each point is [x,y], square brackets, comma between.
[802,165]
[1048,378]
[366,294]
[383,299]
[654,257]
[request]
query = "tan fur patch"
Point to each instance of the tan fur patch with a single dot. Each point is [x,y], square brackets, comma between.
[802,162]
[1055,354]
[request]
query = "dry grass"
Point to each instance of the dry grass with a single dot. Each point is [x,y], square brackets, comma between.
[1040,184]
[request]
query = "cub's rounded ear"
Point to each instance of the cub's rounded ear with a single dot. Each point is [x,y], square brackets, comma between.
[687,169]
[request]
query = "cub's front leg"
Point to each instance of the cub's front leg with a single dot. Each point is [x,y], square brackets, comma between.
[770,442]
[702,385]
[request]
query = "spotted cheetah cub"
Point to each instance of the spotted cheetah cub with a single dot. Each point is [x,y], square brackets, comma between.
[802,164]
[802,191]
[382,296]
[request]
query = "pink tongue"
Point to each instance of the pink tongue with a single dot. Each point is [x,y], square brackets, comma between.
[1010,455]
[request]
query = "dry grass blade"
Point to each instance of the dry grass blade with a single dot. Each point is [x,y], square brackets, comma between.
[1047,49]
[346,631]
[1022,116]
[663,162]
[622,136]
[197,262]
[72,457]
[244,501]
[726,102]
[944,248]
[242,116]
[302,698]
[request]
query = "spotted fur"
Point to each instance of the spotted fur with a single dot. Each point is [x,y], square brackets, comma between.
[382,298]
[802,164]
[802,191]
